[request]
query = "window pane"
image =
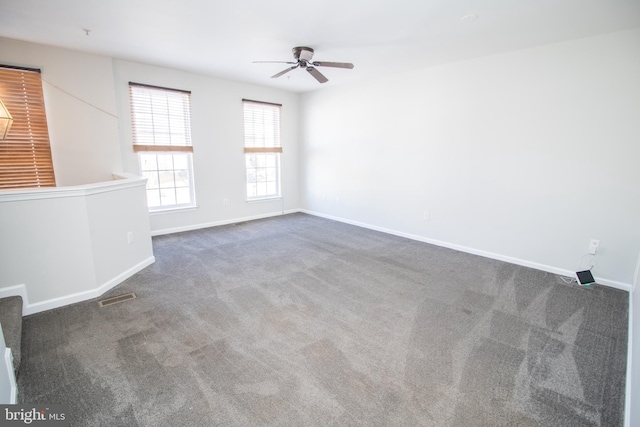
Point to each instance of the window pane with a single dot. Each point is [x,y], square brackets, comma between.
[165,161]
[271,188]
[183,195]
[168,197]
[271,174]
[153,181]
[251,190]
[271,160]
[148,162]
[153,198]
[182,178]
[166,179]
[181,161]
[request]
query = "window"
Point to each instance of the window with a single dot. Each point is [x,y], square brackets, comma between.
[262,149]
[25,155]
[161,121]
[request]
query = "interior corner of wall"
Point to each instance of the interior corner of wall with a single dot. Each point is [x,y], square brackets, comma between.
[636,276]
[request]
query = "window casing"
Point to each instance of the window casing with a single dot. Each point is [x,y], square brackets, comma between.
[25,155]
[161,122]
[262,148]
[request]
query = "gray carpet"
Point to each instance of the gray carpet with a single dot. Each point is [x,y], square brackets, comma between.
[302,321]
[11,321]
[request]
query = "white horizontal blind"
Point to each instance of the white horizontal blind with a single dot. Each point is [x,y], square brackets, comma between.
[161,118]
[261,127]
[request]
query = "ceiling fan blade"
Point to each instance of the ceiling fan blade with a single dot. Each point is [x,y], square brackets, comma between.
[274,62]
[333,64]
[285,71]
[317,74]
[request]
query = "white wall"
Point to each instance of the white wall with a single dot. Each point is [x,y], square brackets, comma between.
[89,121]
[69,244]
[81,109]
[524,155]
[217,134]
[111,216]
[46,246]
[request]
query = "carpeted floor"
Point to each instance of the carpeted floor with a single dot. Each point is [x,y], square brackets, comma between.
[301,321]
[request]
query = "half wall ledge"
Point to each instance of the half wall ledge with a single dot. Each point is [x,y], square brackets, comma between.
[68,244]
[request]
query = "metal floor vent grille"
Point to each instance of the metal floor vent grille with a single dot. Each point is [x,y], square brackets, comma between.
[116,299]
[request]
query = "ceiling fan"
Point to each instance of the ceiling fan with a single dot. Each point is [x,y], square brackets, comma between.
[303,56]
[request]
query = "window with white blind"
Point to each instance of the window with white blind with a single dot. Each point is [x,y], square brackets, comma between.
[25,153]
[262,148]
[161,121]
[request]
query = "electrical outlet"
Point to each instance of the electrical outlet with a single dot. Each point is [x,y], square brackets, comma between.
[593,246]
[225,202]
[130,237]
[425,215]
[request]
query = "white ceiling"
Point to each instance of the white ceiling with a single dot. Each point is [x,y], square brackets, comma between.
[379,36]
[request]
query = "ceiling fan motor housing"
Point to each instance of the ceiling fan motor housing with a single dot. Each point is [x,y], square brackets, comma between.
[302,53]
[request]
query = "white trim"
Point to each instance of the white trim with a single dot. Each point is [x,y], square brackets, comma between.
[500,257]
[72,191]
[222,222]
[87,295]
[8,362]
[263,199]
[611,283]
[172,209]
[16,290]
[28,308]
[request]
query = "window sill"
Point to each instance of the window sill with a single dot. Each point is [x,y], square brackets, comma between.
[264,199]
[172,209]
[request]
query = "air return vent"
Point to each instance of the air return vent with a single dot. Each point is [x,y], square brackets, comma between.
[116,299]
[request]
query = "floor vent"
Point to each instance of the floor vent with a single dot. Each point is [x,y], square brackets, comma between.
[116,299]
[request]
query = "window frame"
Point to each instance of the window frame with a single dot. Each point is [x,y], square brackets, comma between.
[153,135]
[256,143]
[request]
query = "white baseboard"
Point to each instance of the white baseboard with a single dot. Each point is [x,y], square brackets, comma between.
[629,382]
[32,308]
[500,257]
[222,222]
